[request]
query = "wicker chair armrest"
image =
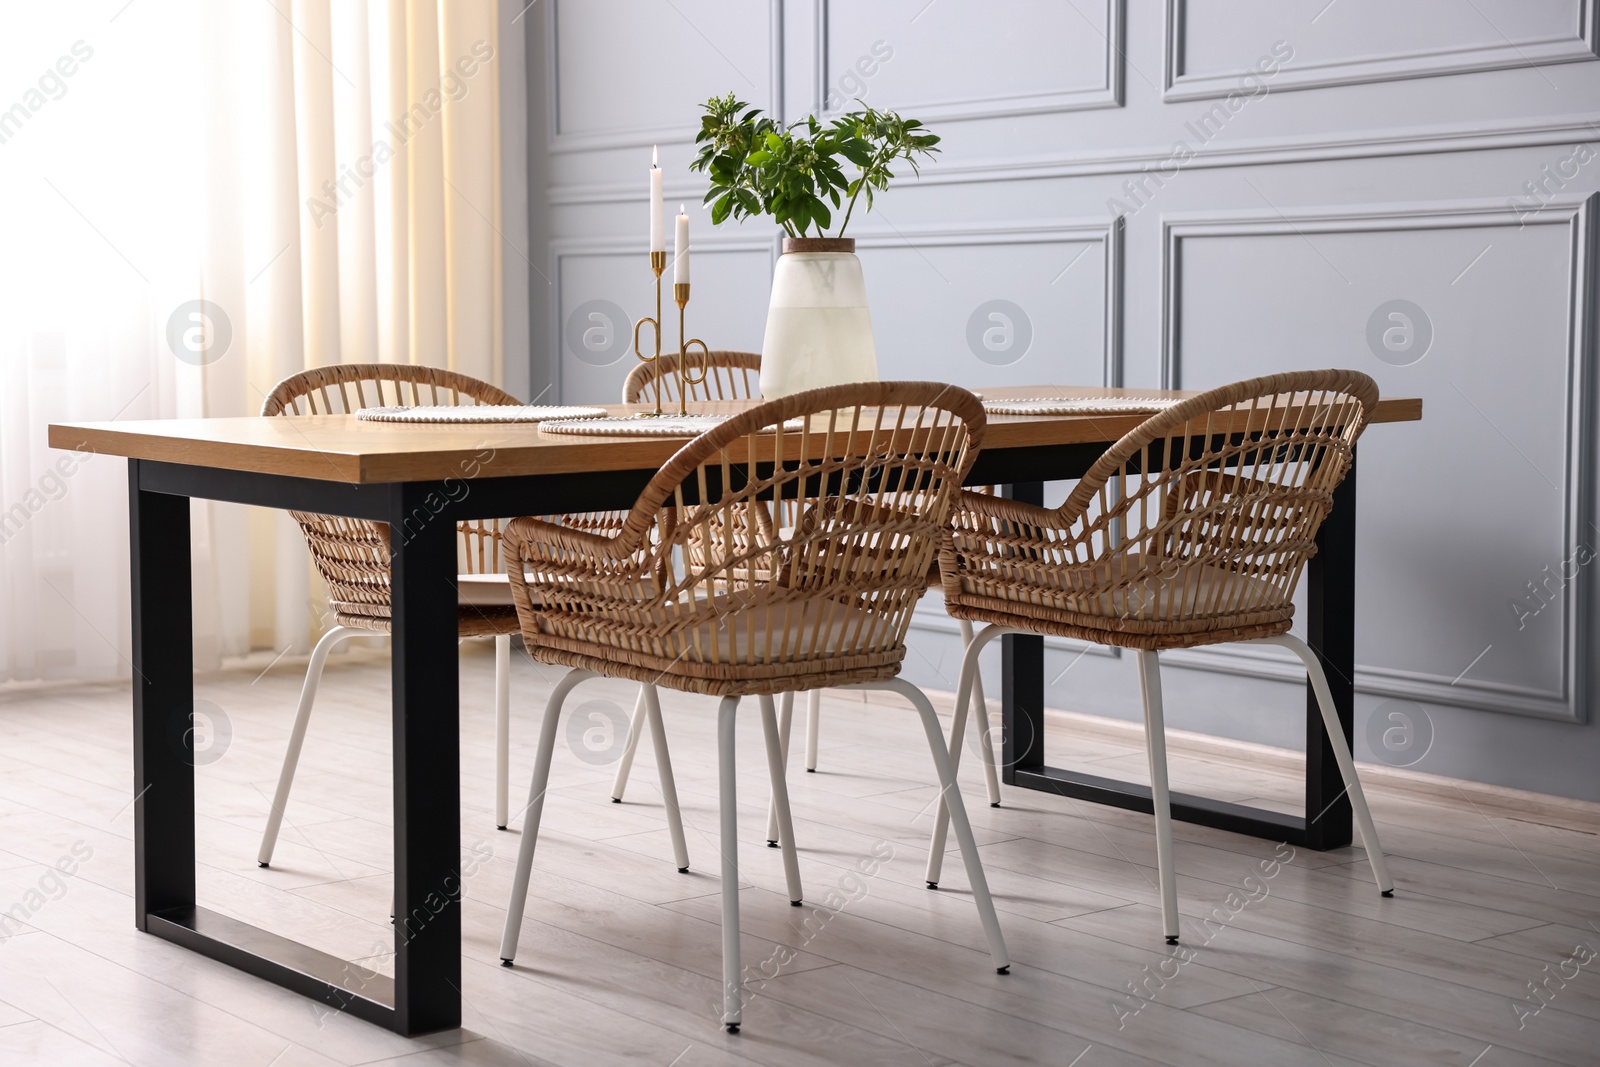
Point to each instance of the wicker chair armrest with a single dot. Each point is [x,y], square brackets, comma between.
[581,542]
[573,551]
[981,506]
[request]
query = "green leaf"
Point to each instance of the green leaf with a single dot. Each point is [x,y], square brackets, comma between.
[856,152]
[819,211]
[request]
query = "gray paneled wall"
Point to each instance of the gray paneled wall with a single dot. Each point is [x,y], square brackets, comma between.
[1180,195]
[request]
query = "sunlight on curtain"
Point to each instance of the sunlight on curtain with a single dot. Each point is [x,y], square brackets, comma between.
[322,173]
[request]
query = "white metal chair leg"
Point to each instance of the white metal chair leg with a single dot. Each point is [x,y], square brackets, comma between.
[732,982]
[944,765]
[534,811]
[969,674]
[669,786]
[777,769]
[1341,754]
[297,736]
[1156,745]
[785,721]
[982,726]
[635,729]
[813,722]
[502,728]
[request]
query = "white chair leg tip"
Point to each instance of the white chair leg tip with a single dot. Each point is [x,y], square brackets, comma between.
[1003,970]
[1171,940]
[505,963]
[772,844]
[683,870]
[795,903]
[616,800]
[933,885]
[264,866]
[499,827]
[1386,892]
[733,1028]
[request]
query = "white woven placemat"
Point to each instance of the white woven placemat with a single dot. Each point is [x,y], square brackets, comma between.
[665,426]
[1079,405]
[480,413]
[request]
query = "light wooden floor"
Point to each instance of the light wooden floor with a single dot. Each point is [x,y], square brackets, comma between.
[620,952]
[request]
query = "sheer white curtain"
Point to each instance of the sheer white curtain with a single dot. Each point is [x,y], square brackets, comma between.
[322,174]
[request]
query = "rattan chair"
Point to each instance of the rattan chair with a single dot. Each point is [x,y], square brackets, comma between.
[689,596]
[1191,530]
[352,555]
[734,375]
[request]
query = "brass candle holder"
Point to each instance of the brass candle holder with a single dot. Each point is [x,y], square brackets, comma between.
[658,263]
[680,293]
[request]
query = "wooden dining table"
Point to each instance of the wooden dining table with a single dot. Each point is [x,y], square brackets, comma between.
[422,480]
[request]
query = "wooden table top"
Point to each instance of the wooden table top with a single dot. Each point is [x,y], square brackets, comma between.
[343,448]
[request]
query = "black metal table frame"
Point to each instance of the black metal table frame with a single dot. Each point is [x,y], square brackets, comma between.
[425,993]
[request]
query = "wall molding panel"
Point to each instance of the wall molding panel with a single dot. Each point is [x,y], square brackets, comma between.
[1109,94]
[564,142]
[1108,234]
[1495,52]
[1578,218]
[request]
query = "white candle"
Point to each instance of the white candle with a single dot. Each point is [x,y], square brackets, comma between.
[680,249]
[658,226]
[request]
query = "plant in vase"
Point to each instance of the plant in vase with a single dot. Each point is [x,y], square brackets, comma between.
[819,331]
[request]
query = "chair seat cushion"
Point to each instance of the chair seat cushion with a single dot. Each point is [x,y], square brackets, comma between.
[716,645]
[492,590]
[1124,602]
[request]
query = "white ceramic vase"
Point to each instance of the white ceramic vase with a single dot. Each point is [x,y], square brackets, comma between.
[819,331]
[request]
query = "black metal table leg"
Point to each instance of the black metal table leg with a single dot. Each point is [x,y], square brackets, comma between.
[163,701]
[1022,682]
[1331,633]
[425,993]
[427,765]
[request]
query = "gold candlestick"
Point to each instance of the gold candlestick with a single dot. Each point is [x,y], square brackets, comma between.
[680,293]
[658,263]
